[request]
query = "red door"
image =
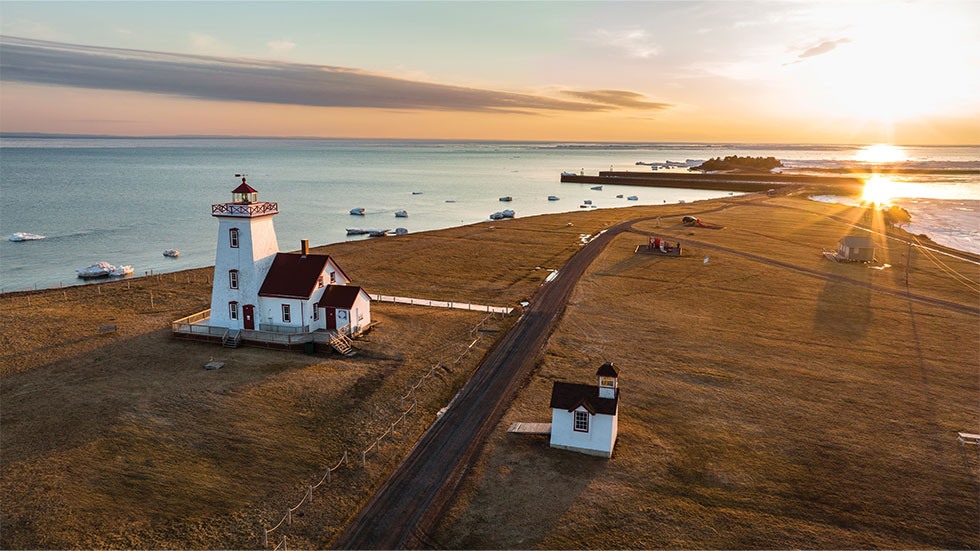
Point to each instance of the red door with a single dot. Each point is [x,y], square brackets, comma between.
[248,312]
[331,318]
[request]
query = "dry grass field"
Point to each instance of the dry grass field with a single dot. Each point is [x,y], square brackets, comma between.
[761,407]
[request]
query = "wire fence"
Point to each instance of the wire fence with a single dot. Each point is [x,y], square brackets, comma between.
[476,332]
[29,298]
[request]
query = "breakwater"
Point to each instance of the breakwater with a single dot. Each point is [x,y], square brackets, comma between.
[718,182]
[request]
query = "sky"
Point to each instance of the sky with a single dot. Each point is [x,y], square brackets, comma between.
[777,72]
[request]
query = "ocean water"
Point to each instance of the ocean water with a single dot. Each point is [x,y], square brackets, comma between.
[125,200]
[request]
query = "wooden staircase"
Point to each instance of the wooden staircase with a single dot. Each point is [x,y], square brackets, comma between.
[231,339]
[343,344]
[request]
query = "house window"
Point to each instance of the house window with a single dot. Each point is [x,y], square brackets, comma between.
[285,313]
[316,313]
[233,238]
[233,279]
[319,282]
[581,421]
[233,310]
[333,277]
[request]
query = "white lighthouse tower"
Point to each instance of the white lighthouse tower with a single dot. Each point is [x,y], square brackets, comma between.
[247,246]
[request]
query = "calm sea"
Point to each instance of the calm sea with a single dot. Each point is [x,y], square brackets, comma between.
[126,200]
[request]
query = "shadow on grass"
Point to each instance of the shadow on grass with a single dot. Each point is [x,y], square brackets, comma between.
[844,309]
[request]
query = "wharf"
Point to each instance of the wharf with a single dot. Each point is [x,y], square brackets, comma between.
[717,182]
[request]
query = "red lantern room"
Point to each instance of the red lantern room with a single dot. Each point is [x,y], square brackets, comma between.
[244,194]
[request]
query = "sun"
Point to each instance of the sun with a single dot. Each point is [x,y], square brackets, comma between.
[877,190]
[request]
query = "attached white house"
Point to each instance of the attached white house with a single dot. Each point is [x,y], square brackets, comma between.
[259,289]
[585,418]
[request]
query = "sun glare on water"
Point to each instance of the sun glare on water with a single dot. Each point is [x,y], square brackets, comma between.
[880,190]
[881,153]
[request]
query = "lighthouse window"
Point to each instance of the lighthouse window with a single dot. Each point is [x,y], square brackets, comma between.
[233,310]
[581,421]
[233,237]
[285,313]
[607,382]
[333,277]
[233,279]
[319,282]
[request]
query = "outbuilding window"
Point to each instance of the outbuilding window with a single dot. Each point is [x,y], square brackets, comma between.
[316,313]
[285,313]
[233,238]
[233,310]
[233,279]
[581,421]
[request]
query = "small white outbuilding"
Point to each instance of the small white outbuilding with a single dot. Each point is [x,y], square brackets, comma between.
[585,418]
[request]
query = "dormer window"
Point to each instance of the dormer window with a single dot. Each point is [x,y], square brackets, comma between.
[581,421]
[233,279]
[233,238]
[319,282]
[333,277]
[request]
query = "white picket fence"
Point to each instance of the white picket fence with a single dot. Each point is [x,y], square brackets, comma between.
[443,304]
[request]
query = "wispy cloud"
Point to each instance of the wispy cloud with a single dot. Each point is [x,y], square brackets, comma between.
[207,44]
[280,46]
[635,42]
[819,49]
[228,79]
[619,98]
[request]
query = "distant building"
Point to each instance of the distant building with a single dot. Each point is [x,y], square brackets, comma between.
[585,418]
[856,248]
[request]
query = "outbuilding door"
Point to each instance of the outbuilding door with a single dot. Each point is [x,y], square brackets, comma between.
[331,317]
[248,316]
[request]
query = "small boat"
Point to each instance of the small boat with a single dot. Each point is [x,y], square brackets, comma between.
[401,231]
[401,214]
[100,269]
[172,253]
[588,201]
[596,188]
[450,200]
[681,201]
[552,198]
[357,211]
[378,233]
[416,193]
[22,236]
[620,196]
[122,271]
[632,198]
[507,198]
[497,216]
[568,174]
[356,231]
[583,206]
[507,213]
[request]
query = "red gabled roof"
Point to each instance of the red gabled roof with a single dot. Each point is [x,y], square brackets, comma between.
[244,188]
[340,296]
[607,370]
[293,275]
[569,396]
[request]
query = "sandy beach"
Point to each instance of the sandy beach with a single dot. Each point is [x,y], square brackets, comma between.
[771,398]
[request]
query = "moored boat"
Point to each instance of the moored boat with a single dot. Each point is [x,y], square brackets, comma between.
[356,231]
[552,198]
[122,271]
[358,211]
[401,214]
[99,269]
[23,236]
[596,188]
[507,198]
[401,231]
[632,198]
[172,253]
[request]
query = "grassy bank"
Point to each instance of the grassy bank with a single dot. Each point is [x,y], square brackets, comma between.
[760,408]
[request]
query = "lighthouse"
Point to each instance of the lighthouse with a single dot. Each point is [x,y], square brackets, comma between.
[246,248]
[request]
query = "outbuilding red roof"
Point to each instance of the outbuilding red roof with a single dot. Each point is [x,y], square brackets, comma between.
[569,396]
[339,296]
[244,188]
[607,370]
[293,275]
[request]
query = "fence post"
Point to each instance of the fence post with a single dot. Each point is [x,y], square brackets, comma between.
[311,493]
[151,298]
[346,461]
[289,516]
[364,458]
[284,542]
[265,539]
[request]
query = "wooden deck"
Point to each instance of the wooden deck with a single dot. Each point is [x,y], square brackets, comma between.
[530,428]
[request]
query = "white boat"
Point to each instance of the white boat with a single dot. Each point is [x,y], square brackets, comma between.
[378,233]
[588,201]
[632,198]
[401,231]
[507,213]
[172,253]
[356,231]
[22,236]
[122,271]
[552,198]
[401,214]
[507,198]
[100,269]
[357,211]
[596,188]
